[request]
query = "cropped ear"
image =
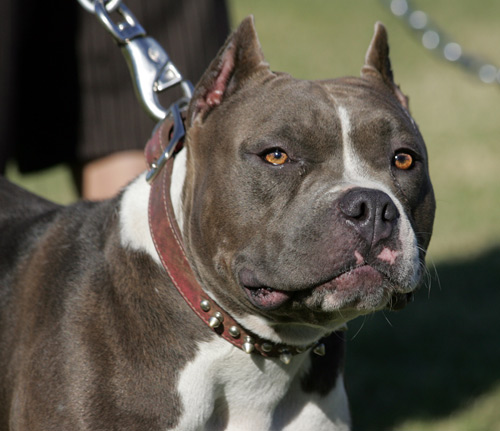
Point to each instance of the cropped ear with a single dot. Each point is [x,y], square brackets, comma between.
[239,59]
[378,65]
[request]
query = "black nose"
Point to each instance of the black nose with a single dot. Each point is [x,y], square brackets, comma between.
[371,212]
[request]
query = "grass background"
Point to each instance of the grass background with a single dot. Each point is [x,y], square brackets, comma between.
[436,365]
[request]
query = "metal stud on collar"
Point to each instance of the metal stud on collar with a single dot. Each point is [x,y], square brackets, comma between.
[234,331]
[285,357]
[285,354]
[249,344]
[320,349]
[205,305]
[216,320]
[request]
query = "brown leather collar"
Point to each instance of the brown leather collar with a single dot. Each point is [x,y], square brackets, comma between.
[169,245]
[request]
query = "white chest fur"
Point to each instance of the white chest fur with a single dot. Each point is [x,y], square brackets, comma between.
[134,209]
[224,388]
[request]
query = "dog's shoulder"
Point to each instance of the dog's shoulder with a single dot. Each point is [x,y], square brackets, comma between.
[23,213]
[29,222]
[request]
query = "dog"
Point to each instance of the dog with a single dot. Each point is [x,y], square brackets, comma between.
[215,297]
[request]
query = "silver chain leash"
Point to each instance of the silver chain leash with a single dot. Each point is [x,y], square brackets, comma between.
[436,41]
[150,66]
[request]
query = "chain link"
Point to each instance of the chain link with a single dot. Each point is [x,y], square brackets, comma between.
[89,5]
[436,41]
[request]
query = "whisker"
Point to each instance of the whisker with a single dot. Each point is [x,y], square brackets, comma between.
[359,329]
[430,276]
[436,274]
[387,319]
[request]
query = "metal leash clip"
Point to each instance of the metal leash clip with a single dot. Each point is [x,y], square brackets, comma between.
[178,133]
[151,68]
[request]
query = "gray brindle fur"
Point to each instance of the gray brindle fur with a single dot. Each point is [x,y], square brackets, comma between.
[297,215]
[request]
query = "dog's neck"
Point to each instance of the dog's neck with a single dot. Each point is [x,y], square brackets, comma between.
[169,244]
[136,235]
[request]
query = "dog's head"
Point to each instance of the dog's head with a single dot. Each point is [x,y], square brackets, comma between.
[306,203]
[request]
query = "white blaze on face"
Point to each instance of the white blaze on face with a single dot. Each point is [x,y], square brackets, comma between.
[354,167]
[356,173]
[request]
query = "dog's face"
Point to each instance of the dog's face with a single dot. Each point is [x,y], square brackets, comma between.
[306,203]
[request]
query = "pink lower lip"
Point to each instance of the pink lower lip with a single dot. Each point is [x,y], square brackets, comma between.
[267,298]
[259,294]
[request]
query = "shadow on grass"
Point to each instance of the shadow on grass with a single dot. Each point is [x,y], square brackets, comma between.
[439,353]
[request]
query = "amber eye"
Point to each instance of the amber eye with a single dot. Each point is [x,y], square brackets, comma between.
[403,161]
[276,157]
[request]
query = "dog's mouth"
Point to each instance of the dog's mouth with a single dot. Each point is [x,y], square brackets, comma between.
[267,298]
[346,289]
[262,296]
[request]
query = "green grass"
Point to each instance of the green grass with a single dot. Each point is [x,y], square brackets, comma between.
[54,183]
[435,365]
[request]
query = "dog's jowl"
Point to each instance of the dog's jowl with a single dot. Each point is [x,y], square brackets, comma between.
[215,297]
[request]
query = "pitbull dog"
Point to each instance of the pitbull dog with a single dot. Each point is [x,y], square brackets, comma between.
[213,298]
